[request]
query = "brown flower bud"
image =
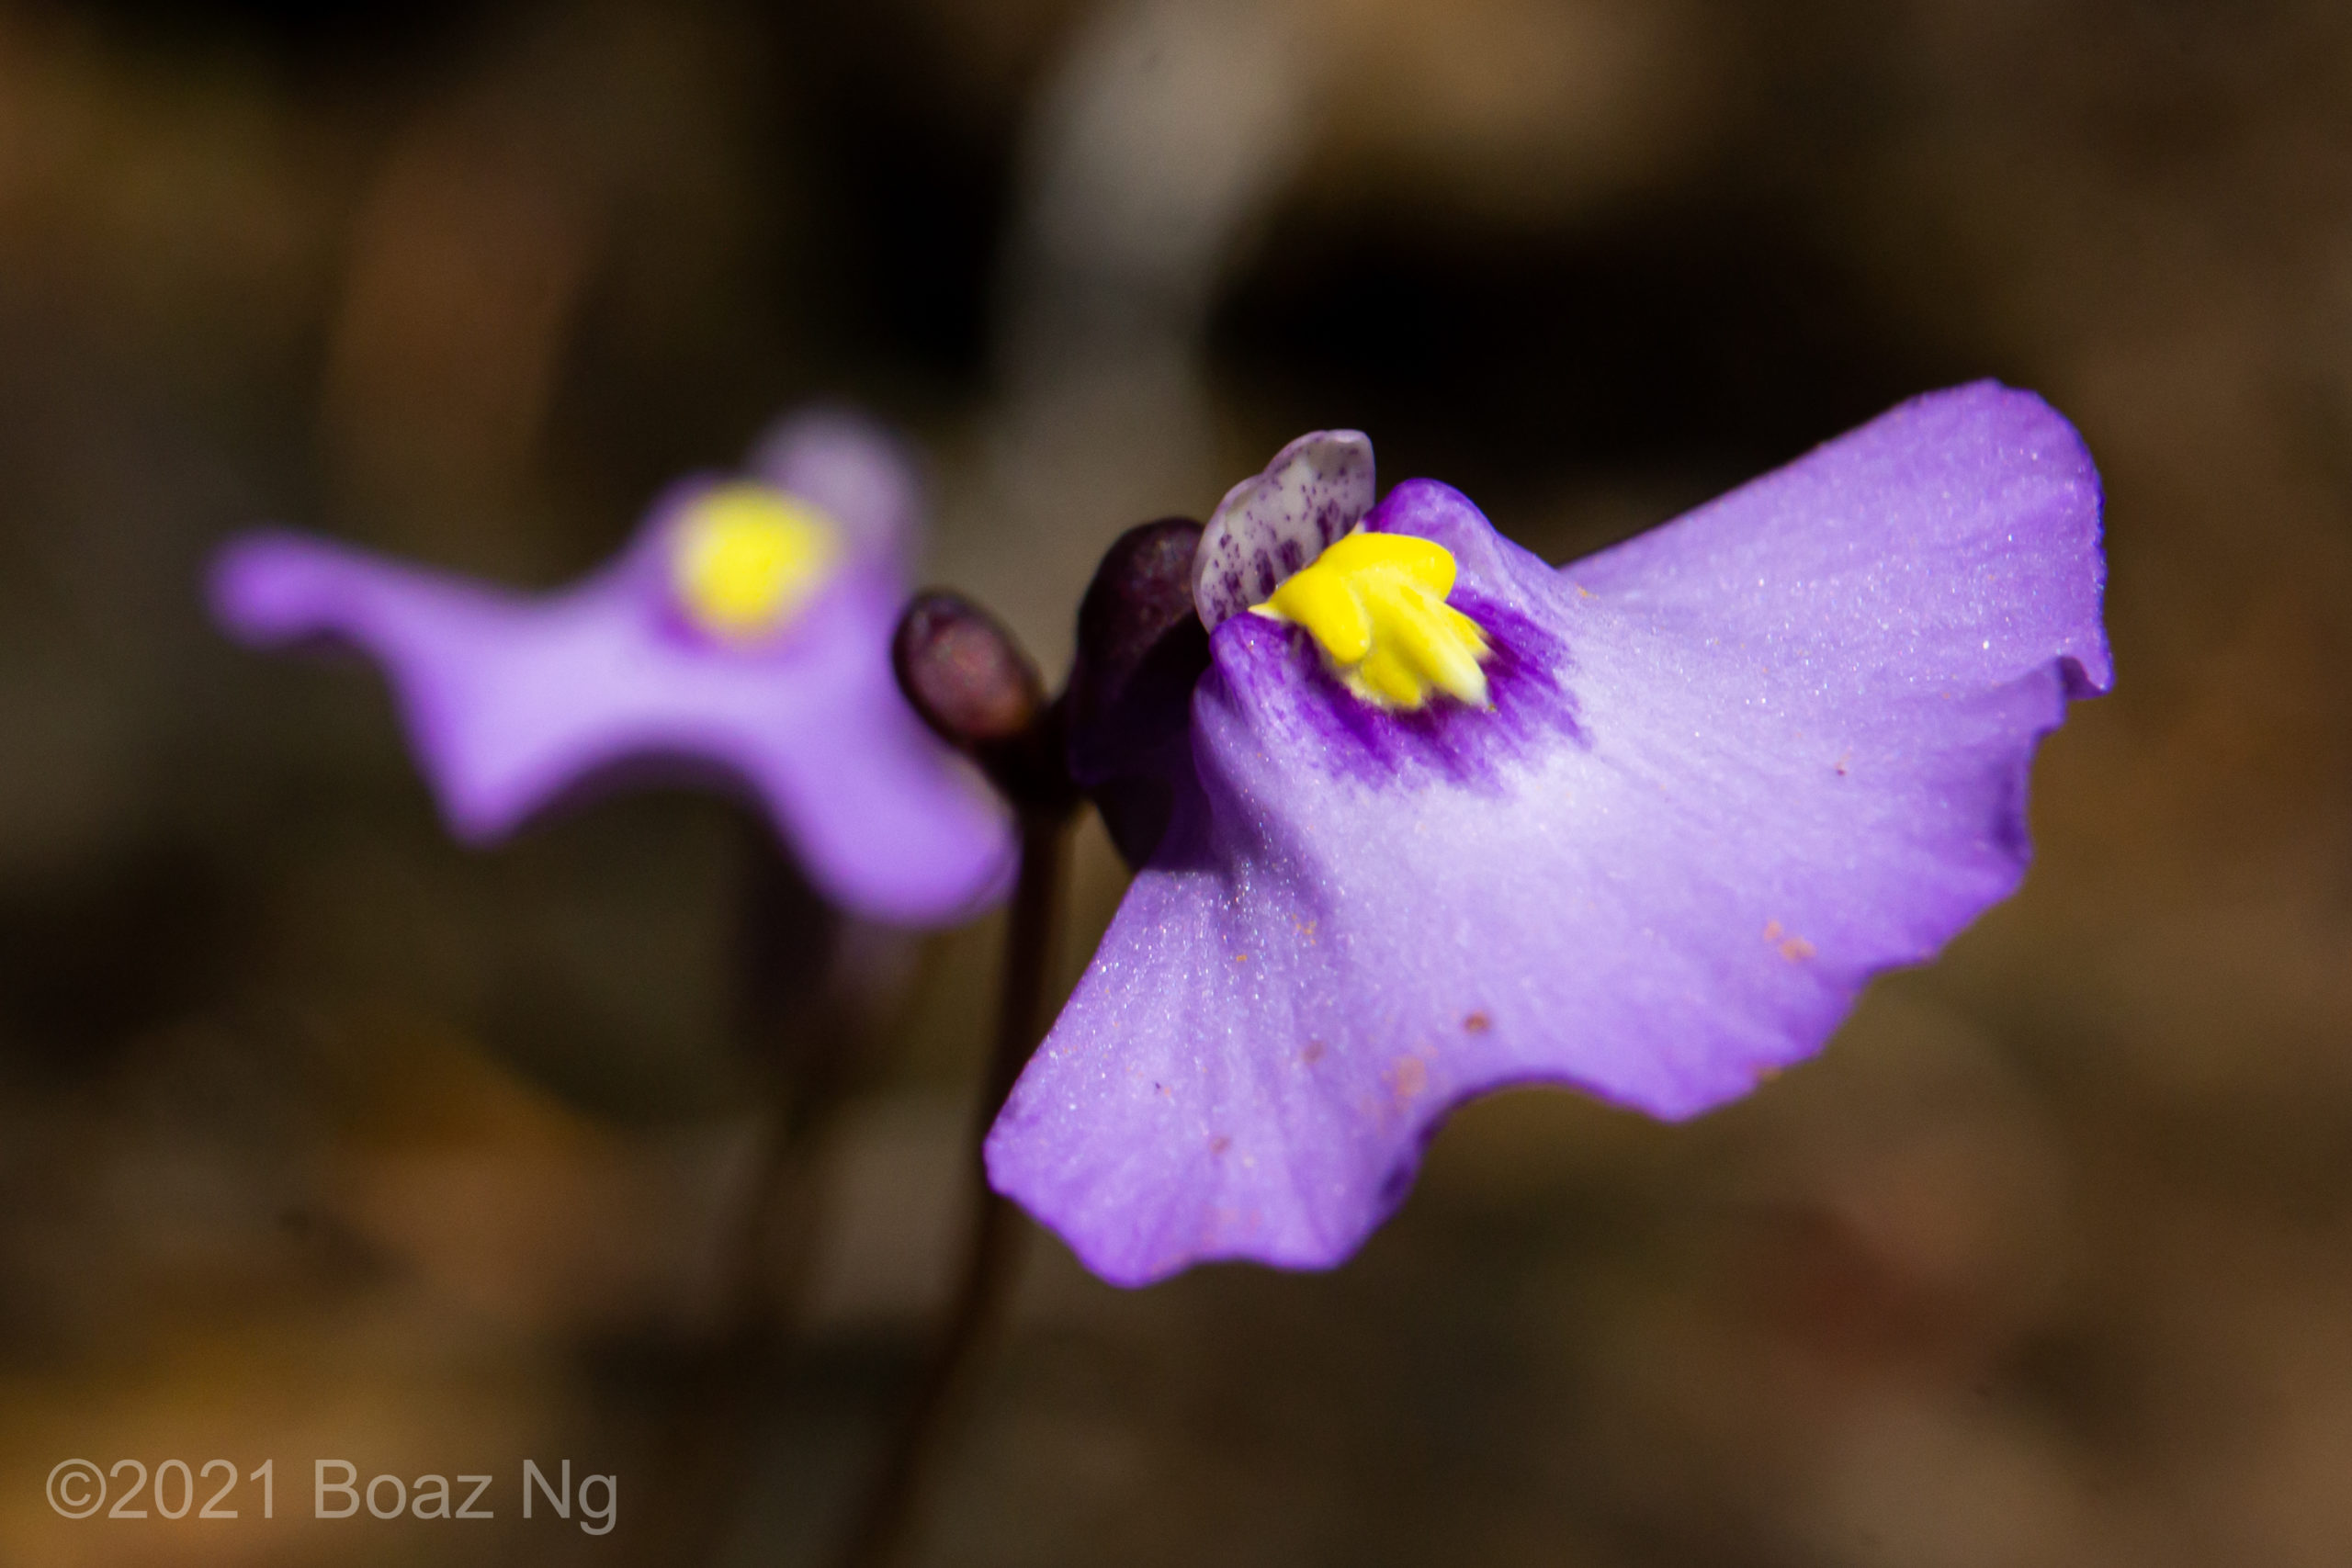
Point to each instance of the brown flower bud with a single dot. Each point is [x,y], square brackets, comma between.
[964,673]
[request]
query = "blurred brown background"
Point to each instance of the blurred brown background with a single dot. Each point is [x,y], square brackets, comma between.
[319,1137]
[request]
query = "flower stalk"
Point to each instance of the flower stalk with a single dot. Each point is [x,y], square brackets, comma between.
[799,1055]
[966,676]
[992,1244]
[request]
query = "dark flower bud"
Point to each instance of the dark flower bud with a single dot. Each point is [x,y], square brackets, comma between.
[1141,650]
[963,673]
[966,677]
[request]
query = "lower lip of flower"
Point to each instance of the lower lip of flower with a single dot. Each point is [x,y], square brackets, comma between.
[745,559]
[1375,605]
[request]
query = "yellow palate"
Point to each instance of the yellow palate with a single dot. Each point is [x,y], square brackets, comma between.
[1376,605]
[745,559]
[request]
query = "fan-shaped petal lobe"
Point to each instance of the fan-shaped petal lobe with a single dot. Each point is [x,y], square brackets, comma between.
[1735,767]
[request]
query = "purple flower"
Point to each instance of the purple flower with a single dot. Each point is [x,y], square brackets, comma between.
[1643,825]
[746,628]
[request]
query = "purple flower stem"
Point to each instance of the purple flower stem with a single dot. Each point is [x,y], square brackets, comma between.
[992,1252]
[801,1056]
[768,1262]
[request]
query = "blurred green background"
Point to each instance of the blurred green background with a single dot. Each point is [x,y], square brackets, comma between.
[323,1137]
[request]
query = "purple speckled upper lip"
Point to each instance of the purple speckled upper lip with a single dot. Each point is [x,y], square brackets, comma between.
[511,700]
[1735,767]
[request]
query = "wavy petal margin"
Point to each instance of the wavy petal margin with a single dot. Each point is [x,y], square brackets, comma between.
[1737,766]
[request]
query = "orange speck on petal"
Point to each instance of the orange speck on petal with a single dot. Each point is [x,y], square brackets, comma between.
[1410,1075]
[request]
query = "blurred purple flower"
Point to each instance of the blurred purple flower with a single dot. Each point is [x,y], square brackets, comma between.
[1697,790]
[746,628]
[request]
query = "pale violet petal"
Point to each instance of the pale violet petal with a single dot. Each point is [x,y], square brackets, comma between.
[1734,768]
[853,469]
[513,702]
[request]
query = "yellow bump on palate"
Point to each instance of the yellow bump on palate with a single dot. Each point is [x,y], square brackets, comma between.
[745,559]
[1325,602]
[1376,605]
